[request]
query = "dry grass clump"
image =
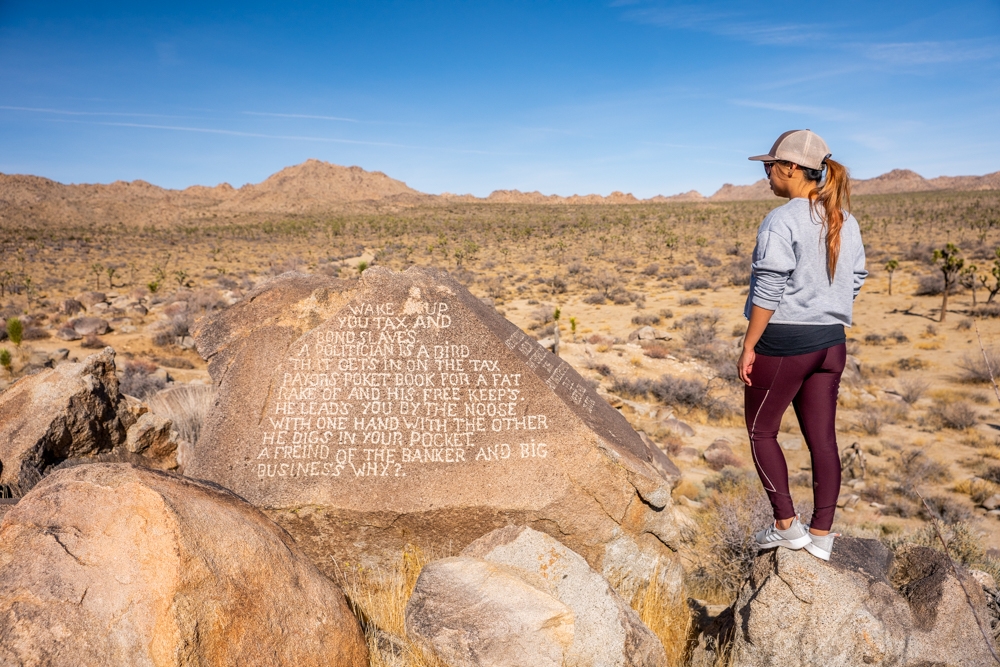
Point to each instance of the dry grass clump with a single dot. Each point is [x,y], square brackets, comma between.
[912,389]
[186,406]
[723,547]
[957,415]
[977,489]
[378,598]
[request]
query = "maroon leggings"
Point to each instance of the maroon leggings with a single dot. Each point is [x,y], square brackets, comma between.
[810,383]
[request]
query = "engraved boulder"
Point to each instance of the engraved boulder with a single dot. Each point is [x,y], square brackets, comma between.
[107,564]
[365,415]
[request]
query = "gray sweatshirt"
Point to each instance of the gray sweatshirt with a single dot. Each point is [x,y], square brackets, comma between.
[789,268]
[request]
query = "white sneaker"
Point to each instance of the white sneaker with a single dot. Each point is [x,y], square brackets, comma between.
[794,537]
[821,546]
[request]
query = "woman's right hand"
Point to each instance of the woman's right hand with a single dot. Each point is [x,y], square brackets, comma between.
[745,364]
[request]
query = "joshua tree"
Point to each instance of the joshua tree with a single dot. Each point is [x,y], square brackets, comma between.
[995,274]
[890,267]
[968,279]
[181,277]
[97,269]
[5,360]
[950,264]
[111,271]
[5,279]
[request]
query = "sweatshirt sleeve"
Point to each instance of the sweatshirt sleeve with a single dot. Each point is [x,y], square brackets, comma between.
[774,261]
[860,272]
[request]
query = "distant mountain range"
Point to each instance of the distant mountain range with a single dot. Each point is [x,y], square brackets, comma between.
[315,186]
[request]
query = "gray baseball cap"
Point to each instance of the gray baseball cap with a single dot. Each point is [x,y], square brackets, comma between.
[803,147]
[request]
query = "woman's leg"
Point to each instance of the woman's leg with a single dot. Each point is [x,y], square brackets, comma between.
[816,407]
[775,382]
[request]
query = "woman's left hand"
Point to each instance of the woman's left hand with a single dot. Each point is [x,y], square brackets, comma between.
[745,364]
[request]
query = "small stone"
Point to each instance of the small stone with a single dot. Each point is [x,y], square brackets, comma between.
[99,308]
[643,333]
[993,502]
[68,333]
[136,310]
[675,425]
[984,579]
[993,512]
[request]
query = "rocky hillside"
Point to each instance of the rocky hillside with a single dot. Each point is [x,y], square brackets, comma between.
[316,186]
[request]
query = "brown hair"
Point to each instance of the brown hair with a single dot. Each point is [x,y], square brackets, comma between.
[835,197]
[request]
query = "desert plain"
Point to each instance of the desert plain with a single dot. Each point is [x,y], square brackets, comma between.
[646,297]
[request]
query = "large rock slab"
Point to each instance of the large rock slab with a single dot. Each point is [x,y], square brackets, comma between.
[399,409]
[472,613]
[111,565]
[71,411]
[607,631]
[864,607]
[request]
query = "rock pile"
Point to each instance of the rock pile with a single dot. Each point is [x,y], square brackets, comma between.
[75,412]
[366,415]
[108,564]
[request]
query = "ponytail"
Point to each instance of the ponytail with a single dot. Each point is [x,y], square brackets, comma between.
[835,198]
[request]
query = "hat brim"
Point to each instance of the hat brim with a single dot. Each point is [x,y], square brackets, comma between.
[763,158]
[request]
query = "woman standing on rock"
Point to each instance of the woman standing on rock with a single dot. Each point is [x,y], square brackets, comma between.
[808,266]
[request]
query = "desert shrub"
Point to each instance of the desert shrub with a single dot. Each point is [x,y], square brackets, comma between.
[945,509]
[602,369]
[708,260]
[958,415]
[576,267]
[666,313]
[626,263]
[595,299]
[656,350]
[696,283]
[985,310]
[680,391]
[912,390]
[207,299]
[556,285]
[911,364]
[631,388]
[686,270]
[916,468]
[977,489]
[92,342]
[899,337]
[724,545]
[975,368]
[919,252]
[738,272]
[651,270]
[689,301]
[645,319]
[725,459]
[138,380]
[992,474]
[930,285]
[964,324]
[874,339]
[871,419]
[699,334]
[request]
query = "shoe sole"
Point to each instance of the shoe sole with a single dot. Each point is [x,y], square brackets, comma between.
[822,554]
[794,545]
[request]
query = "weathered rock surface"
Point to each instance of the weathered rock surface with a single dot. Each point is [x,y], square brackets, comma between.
[154,437]
[864,607]
[472,613]
[606,630]
[71,411]
[659,459]
[108,564]
[90,299]
[366,415]
[720,454]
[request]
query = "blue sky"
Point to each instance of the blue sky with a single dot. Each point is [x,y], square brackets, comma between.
[564,97]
